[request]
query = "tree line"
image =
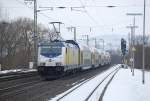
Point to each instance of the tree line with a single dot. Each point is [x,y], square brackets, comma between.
[139,53]
[16,42]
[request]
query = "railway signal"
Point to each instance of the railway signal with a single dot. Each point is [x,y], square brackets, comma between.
[123,46]
[123,49]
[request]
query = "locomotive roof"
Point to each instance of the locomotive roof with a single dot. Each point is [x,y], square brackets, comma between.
[51,43]
[67,43]
[72,42]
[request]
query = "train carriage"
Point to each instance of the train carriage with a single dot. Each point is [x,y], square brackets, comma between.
[101,58]
[85,57]
[95,57]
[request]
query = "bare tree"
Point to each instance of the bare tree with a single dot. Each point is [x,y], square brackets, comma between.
[16,43]
[0,12]
[3,27]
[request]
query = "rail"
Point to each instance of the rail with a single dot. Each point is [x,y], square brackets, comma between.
[78,86]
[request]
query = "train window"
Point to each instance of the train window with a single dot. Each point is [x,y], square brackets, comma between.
[51,51]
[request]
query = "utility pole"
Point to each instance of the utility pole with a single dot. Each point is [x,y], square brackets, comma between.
[95,43]
[35,34]
[74,33]
[143,69]
[87,39]
[133,34]
[129,49]
[74,30]
[132,47]
[102,42]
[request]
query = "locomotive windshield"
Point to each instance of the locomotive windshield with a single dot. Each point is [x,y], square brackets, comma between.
[51,50]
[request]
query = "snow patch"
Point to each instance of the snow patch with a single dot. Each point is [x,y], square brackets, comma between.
[17,71]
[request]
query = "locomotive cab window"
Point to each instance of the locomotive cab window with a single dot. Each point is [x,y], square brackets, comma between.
[51,50]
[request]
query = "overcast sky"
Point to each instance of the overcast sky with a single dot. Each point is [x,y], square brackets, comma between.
[107,23]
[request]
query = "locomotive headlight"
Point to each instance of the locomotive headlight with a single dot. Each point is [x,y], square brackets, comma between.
[42,64]
[58,63]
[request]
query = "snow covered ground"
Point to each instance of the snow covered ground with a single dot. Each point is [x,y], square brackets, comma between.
[16,71]
[123,87]
[126,87]
[82,92]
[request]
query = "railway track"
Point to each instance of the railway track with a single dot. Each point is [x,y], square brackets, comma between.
[13,81]
[8,77]
[112,74]
[26,88]
[115,72]
[22,85]
[42,96]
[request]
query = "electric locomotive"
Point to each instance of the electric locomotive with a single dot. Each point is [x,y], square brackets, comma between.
[57,57]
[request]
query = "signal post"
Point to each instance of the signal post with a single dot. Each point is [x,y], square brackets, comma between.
[123,49]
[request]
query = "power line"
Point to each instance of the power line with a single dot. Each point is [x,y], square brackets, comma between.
[11,7]
[32,9]
[68,23]
[99,6]
[88,14]
[23,4]
[38,12]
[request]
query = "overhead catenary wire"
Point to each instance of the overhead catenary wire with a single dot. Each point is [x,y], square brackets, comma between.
[90,16]
[126,6]
[44,15]
[87,13]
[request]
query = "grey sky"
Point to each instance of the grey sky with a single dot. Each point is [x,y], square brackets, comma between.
[108,23]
